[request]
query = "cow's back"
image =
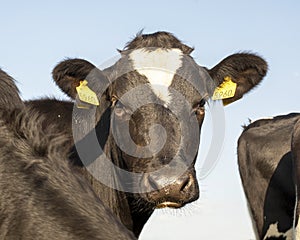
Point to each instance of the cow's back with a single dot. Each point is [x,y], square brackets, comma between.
[265,165]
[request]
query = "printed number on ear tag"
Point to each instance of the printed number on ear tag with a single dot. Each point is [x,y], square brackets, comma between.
[85,94]
[225,90]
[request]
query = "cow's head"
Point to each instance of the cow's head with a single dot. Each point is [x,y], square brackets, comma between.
[151,109]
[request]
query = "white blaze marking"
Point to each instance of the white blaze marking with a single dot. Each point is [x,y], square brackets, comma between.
[159,67]
[274,232]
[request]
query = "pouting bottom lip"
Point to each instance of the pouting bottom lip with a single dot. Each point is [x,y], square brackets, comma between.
[169,204]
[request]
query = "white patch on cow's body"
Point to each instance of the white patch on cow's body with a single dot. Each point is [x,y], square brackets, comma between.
[159,67]
[274,232]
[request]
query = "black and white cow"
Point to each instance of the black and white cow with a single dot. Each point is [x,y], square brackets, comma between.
[146,113]
[40,196]
[267,172]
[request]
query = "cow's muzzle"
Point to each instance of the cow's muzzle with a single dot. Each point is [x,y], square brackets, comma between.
[167,193]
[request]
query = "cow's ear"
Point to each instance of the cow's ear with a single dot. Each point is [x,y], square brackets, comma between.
[236,75]
[72,73]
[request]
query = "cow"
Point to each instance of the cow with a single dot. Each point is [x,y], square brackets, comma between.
[267,172]
[143,114]
[296,165]
[40,196]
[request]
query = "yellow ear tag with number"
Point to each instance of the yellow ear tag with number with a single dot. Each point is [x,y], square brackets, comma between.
[225,90]
[86,95]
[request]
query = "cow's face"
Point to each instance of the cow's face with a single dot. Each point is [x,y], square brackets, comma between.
[157,114]
[155,95]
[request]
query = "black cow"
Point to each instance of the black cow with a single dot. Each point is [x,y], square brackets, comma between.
[40,197]
[150,112]
[296,164]
[266,169]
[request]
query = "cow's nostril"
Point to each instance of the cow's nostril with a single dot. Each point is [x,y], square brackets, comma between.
[152,185]
[186,184]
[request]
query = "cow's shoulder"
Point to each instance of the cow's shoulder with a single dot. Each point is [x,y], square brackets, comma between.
[264,143]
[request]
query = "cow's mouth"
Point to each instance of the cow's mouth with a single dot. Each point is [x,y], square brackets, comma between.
[169,204]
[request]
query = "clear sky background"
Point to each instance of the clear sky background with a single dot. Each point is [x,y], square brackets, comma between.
[35,35]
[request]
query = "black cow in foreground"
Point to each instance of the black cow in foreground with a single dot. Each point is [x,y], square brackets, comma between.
[40,196]
[267,171]
[146,113]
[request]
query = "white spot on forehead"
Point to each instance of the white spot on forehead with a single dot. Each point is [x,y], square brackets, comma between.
[159,67]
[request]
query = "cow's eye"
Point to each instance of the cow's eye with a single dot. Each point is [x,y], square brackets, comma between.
[199,107]
[121,110]
[202,102]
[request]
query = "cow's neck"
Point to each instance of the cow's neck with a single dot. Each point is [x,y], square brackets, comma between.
[140,215]
[115,200]
[121,205]
[139,218]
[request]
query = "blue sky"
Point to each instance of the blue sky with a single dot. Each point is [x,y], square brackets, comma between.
[35,35]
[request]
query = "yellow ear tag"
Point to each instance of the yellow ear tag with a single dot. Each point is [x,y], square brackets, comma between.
[85,94]
[225,90]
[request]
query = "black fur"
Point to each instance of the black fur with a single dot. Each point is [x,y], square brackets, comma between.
[296,165]
[9,92]
[41,195]
[266,168]
[157,40]
[134,210]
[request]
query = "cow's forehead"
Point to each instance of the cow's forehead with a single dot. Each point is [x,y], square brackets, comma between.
[159,66]
[159,75]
